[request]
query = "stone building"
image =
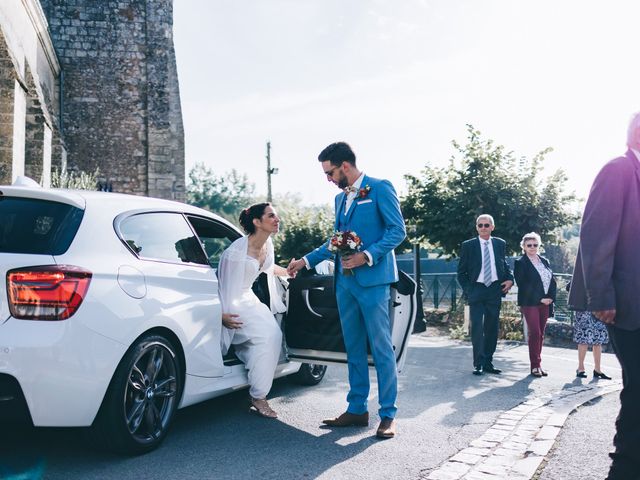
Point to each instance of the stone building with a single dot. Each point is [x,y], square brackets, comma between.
[105,94]
[30,138]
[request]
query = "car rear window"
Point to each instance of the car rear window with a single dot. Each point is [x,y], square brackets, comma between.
[29,225]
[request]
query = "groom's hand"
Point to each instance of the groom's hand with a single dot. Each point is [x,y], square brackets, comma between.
[354,261]
[295,266]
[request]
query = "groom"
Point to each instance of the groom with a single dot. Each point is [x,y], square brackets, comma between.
[370,208]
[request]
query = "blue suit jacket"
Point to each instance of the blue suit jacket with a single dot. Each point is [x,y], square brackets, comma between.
[378,221]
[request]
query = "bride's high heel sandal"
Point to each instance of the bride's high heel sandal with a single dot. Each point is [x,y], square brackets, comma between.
[262,408]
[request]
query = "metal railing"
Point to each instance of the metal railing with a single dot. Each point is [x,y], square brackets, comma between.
[441,291]
[562,312]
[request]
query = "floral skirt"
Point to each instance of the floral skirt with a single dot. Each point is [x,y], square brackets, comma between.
[587,329]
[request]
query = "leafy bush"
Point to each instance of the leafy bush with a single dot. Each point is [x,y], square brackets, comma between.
[510,322]
[74,180]
[458,332]
[515,336]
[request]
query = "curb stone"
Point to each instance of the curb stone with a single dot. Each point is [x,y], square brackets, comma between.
[515,446]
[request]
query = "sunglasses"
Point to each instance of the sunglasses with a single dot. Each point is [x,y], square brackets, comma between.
[532,245]
[484,225]
[329,173]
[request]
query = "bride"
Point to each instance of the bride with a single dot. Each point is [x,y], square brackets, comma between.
[248,324]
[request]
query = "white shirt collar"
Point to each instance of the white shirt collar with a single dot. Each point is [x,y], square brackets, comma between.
[358,182]
[483,240]
[636,153]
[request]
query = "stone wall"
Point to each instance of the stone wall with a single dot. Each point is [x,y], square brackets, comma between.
[120,97]
[30,139]
[7,82]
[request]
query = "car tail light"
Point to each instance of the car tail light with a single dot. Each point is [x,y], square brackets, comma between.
[47,292]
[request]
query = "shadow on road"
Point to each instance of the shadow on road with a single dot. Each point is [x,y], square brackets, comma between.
[441,407]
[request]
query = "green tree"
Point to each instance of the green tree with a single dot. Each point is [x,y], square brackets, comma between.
[482,177]
[225,195]
[302,228]
[560,258]
[563,257]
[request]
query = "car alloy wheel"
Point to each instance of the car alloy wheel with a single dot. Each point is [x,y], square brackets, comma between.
[142,398]
[151,393]
[310,374]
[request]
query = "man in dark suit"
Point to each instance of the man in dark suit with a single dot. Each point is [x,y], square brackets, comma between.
[606,281]
[484,275]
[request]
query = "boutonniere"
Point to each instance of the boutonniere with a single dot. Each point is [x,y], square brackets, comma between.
[364,191]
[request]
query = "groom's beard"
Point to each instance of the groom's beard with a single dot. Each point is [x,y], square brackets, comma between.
[342,181]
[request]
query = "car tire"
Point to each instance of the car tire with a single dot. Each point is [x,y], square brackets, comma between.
[310,374]
[142,398]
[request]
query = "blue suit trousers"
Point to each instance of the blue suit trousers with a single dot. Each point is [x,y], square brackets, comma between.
[364,314]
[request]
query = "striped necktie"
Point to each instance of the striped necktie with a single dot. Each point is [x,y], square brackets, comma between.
[486,264]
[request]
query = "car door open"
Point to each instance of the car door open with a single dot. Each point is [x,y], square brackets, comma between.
[312,324]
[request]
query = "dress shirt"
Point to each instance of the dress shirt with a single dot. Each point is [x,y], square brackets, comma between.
[352,195]
[636,153]
[494,273]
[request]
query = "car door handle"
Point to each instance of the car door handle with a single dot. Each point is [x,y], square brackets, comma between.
[305,296]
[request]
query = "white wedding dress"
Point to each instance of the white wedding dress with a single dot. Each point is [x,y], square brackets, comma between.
[259,341]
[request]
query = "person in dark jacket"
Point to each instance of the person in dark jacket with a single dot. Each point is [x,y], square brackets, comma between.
[536,294]
[606,282]
[485,276]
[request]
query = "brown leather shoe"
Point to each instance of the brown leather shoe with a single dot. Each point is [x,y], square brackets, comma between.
[348,420]
[387,428]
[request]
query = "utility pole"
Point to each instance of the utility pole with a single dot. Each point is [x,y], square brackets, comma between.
[270,171]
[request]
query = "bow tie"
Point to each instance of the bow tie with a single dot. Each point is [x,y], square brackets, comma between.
[349,189]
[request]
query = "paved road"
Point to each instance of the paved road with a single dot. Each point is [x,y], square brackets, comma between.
[443,408]
[582,448]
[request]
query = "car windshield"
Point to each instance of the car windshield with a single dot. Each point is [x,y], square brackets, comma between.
[29,225]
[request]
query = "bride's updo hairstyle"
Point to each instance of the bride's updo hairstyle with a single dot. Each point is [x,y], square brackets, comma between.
[249,214]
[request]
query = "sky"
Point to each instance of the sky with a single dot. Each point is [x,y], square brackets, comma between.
[399,80]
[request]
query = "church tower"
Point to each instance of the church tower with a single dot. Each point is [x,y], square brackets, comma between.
[119,96]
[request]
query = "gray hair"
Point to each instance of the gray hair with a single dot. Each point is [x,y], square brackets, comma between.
[530,236]
[486,215]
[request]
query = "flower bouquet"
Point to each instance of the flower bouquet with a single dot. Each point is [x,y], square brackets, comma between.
[344,244]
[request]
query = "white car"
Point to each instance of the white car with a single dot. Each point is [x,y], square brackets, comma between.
[111,317]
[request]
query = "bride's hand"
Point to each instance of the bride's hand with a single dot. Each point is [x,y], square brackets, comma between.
[229,320]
